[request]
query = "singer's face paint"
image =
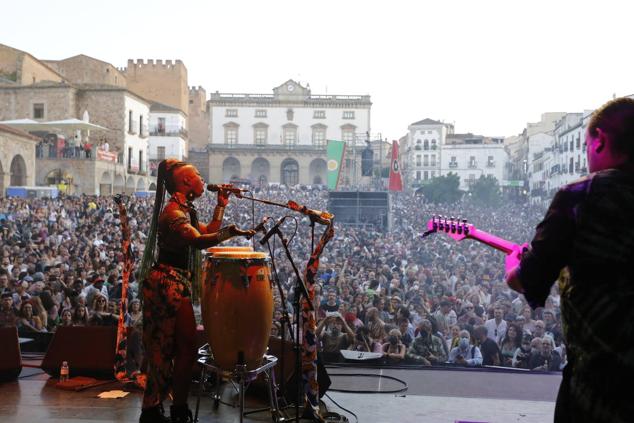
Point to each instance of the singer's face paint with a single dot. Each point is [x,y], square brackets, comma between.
[196,182]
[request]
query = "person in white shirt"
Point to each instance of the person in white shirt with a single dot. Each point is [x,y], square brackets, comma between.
[496,327]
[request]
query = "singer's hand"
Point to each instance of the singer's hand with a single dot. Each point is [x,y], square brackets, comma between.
[223,197]
[235,231]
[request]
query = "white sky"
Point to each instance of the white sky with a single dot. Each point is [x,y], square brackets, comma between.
[488,66]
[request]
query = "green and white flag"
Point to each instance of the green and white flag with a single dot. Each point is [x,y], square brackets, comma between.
[336,151]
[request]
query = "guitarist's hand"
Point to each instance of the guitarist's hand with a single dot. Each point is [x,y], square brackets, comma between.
[513,260]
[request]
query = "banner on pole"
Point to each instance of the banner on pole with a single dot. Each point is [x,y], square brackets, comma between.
[336,152]
[396,183]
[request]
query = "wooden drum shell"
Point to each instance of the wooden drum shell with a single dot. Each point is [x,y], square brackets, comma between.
[237,305]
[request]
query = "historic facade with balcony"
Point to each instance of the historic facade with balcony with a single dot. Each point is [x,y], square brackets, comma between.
[471,156]
[168,133]
[282,137]
[425,139]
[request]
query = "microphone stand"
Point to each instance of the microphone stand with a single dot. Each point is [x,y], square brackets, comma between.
[283,322]
[300,289]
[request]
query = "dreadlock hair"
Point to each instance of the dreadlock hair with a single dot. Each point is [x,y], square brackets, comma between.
[164,182]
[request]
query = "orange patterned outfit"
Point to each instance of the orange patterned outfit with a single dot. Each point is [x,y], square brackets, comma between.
[167,284]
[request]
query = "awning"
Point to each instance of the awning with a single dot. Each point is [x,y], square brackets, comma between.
[25,124]
[74,125]
[61,125]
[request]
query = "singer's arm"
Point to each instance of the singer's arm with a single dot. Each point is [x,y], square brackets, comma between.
[219,212]
[177,222]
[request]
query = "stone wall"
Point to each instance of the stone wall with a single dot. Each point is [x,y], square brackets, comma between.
[198,119]
[18,147]
[23,68]
[17,102]
[32,70]
[106,107]
[83,69]
[163,82]
[9,62]
[93,177]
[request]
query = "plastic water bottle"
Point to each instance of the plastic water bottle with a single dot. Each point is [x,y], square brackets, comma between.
[63,372]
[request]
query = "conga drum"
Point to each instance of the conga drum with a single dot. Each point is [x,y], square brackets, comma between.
[237,305]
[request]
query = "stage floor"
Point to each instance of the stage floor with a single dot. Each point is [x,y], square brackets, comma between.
[432,396]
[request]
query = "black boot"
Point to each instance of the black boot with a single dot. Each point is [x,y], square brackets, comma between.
[153,415]
[181,414]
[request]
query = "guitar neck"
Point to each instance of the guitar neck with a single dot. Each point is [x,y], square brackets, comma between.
[492,241]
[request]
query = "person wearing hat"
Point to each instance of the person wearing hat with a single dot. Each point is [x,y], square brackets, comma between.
[96,286]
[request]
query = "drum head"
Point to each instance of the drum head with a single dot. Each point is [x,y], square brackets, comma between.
[239,255]
[214,250]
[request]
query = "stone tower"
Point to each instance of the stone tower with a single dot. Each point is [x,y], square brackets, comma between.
[198,119]
[163,82]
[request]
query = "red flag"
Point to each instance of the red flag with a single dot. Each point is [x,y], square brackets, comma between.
[396,184]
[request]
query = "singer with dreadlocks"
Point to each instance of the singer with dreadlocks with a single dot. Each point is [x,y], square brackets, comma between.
[169,279]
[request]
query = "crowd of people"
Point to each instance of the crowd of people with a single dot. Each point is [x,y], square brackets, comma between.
[429,301]
[54,146]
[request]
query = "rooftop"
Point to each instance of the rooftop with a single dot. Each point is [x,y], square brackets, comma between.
[18,132]
[427,121]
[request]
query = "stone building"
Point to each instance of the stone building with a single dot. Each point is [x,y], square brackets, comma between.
[281,137]
[82,69]
[123,168]
[161,82]
[116,98]
[17,158]
[19,67]
[198,117]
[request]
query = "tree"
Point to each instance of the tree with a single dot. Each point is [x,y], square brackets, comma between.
[443,189]
[485,191]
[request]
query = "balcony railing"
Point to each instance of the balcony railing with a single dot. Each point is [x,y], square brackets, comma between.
[169,132]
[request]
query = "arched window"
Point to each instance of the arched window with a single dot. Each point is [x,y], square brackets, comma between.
[426,145]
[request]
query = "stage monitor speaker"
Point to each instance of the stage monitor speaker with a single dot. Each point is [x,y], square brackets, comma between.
[275,348]
[361,208]
[10,358]
[288,371]
[89,351]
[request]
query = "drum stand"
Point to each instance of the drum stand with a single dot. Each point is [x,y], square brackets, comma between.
[240,377]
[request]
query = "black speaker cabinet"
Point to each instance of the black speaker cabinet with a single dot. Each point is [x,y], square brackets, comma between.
[89,351]
[10,358]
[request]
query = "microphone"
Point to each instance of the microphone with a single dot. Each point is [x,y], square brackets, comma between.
[226,187]
[322,217]
[275,229]
[261,227]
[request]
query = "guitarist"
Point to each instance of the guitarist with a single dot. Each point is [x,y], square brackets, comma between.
[588,228]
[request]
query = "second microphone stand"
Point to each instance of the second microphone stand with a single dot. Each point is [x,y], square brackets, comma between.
[299,291]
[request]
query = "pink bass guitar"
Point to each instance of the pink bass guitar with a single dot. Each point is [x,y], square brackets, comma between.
[459,229]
